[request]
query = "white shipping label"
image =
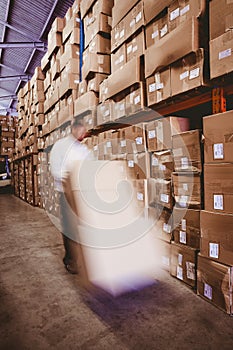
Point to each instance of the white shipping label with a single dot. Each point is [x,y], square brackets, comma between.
[117,35]
[132,23]
[208,291]
[129,49]
[121,59]
[159,130]
[135,48]
[95,148]
[218,151]
[152,87]
[218,201]
[224,54]
[183,224]
[139,141]
[90,121]
[194,73]
[185,187]
[155,34]
[152,134]
[166,228]
[164,30]
[190,268]
[137,100]
[159,86]
[162,167]
[123,143]
[183,201]
[179,272]
[183,237]
[122,107]
[122,33]
[165,261]
[109,144]
[184,75]
[155,161]
[184,10]
[177,152]
[184,163]
[140,196]
[131,164]
[214,250]
[174,14]
[180,259]
[106,113]
[164,198]
[139,17]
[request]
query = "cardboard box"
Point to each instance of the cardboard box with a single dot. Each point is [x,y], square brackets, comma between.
[140,194]
[94,84]
[105,112]
[162,164]
[188,73]
[187,151]
[94,25]
[136,46]
[103,6]
[55,69]
[186,227]
[120,9]
[45,63]
[184,264]
[103,90]
[69,81]
[152,8]
[218,186]
[163,193]
[71,52]
[160,132]
[85,6]
[156,30]
[214,283]
[118,59]
[164,254]
[130,24]
[71,24]
[180,11]
[136,99]
[158,87]
[216,237]
[164,52]
[221,58]
[137,134]
[130,74]
[100,44]
[58,25]
[74,37]
[54,42]
[138,166]
[119,109]
[82,88]
[88,101]
[162,219]
[187,190]
[95,63]
[218,131]
[47,81]
[221,20]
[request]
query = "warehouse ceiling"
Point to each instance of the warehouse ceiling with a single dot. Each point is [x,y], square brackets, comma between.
[24,26]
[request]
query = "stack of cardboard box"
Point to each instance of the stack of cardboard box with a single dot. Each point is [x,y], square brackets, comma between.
[175,48]
[8,129]
[124,89]
[187,191]
[61,65]
[97,17]
[215,263]
[221,38]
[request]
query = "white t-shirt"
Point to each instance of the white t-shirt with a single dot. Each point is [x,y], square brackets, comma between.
[64,152]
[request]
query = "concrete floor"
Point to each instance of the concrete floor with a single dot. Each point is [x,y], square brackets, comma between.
[44,307]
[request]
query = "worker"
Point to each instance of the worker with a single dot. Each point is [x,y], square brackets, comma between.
[64,152]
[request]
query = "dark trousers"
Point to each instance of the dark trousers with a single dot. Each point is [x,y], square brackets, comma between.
[69,224]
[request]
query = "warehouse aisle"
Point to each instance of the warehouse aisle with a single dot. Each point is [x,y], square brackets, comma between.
[43,307]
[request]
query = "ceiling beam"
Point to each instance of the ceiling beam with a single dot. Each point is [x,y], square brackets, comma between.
[12,77]
[34,45]
[13,69]
[12,97]
[28,36]
[4,27]
[49,18]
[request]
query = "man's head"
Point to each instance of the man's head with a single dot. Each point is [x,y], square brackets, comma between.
[78,130]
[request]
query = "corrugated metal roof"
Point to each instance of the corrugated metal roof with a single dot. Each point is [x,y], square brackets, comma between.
[30,21]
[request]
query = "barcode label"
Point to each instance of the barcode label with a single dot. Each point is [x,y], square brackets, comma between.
[131,164]
[183,237]
[139,141]
[218,151]
[152,87]
[194,73]
[213,250]
[179,273]
[218,201]
[224,54]
[208,291]
[164,198]
[174,14]
[184,75]
[159,86]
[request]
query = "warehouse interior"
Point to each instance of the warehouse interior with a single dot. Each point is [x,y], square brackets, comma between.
[143,90]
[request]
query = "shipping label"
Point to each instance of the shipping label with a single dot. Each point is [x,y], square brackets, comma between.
[208,291]
[164,198]
[155,161]
[184,163]
[123,143]
[139,141]
[214,250]
[190,267]
[164,30]
[155,34]
[218,201]
[166,228]
[218,151]
[131,164]
[183,224]
[179,273]
[184,75]
[224,54]
[140,196]
[185,10]
[183,237]
[194,73]
[165,261]
[174,14]
[152,134]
